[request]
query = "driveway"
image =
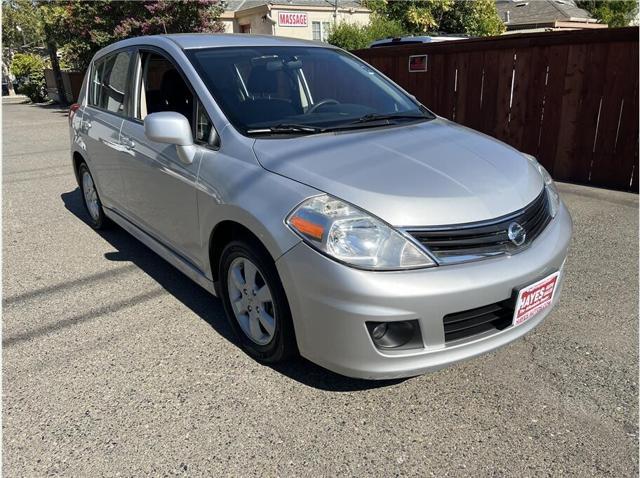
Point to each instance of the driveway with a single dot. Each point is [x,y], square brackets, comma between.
[116,364]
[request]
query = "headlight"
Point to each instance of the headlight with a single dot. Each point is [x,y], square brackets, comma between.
[350,235]
[549,186]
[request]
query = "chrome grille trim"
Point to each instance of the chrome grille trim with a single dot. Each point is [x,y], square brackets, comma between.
[453,244]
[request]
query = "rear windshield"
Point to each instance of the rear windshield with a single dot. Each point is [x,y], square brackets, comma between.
[261,87]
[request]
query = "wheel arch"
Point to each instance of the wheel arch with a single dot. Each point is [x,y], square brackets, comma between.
[77,159]
[223,233]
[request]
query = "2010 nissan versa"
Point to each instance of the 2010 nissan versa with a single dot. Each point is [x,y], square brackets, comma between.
[332,213]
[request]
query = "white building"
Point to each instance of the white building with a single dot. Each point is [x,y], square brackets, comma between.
[305,19]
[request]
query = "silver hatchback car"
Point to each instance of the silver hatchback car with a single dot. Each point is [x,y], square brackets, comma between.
[332,213]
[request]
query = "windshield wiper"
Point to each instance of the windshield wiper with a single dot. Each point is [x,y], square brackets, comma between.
[372,117]
[387,119]
[287,128]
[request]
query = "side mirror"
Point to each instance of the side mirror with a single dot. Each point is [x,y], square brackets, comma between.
[170,127]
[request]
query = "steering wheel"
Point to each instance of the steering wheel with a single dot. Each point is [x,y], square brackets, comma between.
[326,101]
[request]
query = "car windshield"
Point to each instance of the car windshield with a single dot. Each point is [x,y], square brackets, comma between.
[300,90]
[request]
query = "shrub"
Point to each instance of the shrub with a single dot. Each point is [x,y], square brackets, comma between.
[28,68]
[381,28]
[353,37]
[348,36]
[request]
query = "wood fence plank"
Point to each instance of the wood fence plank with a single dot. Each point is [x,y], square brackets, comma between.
[589,113]
[489,93]
[569,107]
[609,167]
[552,116]
[531,97]
[627,144]
[436,86]
[469,90]
[448,86]
[503,94]
[520,103]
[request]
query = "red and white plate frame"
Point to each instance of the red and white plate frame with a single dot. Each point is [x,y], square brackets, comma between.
[534,298]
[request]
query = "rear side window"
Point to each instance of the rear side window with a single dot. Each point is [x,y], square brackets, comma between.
[109,82]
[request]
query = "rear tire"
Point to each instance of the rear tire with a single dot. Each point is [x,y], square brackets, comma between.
[255,302]
[91,199]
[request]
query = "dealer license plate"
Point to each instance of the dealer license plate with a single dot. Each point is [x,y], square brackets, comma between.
[535,298]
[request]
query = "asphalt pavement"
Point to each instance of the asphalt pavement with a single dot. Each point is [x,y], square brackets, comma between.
[114,364]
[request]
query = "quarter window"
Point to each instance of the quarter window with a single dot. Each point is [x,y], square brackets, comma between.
[109,82]
[203,125]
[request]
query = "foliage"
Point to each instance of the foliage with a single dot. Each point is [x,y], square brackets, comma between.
[619,13]
[80,28]
[419,17]
[28,68]
[348,36]
[474,18]
[20,14]
[353,37]
[380,27]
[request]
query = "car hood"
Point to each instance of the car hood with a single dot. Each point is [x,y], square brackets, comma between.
[425,174]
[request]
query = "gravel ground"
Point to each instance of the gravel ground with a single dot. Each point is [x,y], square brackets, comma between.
[116,365]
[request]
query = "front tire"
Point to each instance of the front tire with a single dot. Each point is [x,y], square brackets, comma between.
[255,302]
[91,200]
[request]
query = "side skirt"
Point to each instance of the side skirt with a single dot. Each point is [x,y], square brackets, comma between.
[188,269]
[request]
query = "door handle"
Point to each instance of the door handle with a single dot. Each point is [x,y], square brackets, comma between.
[128,143]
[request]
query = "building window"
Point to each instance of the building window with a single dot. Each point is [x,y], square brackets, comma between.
[317,33]
[320,30]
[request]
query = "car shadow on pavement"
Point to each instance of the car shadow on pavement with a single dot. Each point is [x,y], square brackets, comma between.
[209,308]
[55,107]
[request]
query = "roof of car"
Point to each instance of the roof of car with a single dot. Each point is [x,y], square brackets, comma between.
[213,40]
[188,41]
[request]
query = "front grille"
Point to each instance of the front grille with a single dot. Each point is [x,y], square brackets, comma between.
[496,316]
[465,242]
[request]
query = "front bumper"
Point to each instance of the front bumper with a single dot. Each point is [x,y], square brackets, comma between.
[331,302]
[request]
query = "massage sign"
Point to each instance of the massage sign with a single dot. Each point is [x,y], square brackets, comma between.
[293,19]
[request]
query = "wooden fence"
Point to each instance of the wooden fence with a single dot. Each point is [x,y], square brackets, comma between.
[568,98]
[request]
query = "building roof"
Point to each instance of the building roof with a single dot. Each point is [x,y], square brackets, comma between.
[527,12]
[237,5]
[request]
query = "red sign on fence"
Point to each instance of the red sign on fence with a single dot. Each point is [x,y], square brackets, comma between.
[417,63]
[293,19]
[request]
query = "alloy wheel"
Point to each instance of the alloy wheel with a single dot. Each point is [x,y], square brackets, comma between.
[251,301]
[90,196]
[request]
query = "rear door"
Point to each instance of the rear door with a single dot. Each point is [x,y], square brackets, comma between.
[161,189]
[102,121]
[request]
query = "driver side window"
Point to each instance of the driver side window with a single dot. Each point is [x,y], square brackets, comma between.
[163,88]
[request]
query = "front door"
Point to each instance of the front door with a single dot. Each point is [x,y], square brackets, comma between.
[160,189]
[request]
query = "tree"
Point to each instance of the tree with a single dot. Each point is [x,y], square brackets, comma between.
[80,28]
[419,17]
[474,18]
[21,24]
[619,13]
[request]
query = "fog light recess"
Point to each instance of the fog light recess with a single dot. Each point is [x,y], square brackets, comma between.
[399,335]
